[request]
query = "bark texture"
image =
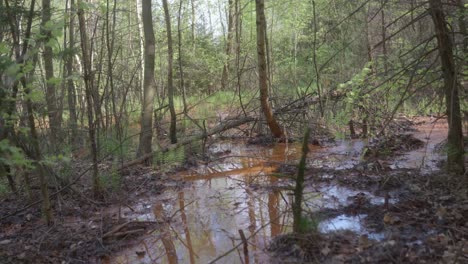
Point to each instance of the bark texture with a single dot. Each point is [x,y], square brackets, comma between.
[146,135]
[89,87]
[170,82]
[47,55]
[275,128]
[455,150]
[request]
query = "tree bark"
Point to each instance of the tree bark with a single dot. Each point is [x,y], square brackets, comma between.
[275,128]
[149,89]
[455,150]
[384,42]
[462,26]
[142,44]
[110,37]
[317,71]
[170,85]
[229,45]
[46,207]
[73,122]
[47,55]
[89,83]
[192,4]
[181,69]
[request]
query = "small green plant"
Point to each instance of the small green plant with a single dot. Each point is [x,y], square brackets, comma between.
[3,187]
[110,144]
[110,180]
[309,224]
[172,157]
[13,156]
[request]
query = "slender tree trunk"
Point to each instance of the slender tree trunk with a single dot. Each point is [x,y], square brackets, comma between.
[142,44]
[239,68]
[73,121]
[170,85]
[275,128]
[47,55]
[229,45]
[181,69]
[317,71]
[110,36]
[462,27]
[368,40]
[455,151]
[146,134]
[89,83]
[192,4]
[37,157]
[384,42]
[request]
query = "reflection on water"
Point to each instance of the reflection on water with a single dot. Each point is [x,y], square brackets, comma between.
[207,216]
[351,223]
[202,222]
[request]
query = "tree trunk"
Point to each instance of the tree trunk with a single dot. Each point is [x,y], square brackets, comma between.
[192,4]
[37,157]
[462,27]
[317,71]
[181,69]
[6,126]
[73,122]
[142,44]
[384,42]
[149,89]
[110,36]
[229,45]
[170,85]
[47,55]
[89,83]
[275,128]
[455,151]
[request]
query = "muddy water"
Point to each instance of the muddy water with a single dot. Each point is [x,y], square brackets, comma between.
[237,193]
[224,197]
[432,132]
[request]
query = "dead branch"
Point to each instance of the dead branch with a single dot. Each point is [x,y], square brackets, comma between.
[220,128]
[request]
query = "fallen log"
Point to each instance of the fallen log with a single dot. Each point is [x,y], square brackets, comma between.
[232,123]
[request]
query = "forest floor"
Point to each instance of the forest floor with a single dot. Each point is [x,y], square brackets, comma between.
[386,201]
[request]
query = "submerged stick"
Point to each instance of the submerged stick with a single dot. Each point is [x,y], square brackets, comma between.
[246,246]
[298,191]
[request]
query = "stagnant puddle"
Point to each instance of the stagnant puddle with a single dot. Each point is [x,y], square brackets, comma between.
[237,194]
[432,133]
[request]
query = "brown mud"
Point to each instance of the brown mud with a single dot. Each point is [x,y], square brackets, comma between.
[385,208]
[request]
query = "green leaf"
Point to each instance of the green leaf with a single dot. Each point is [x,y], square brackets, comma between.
[54,81]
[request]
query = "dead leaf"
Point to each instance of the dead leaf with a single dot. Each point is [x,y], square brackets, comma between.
[5,242]
[325,251]
[441,212]
[364,242]
[391,219]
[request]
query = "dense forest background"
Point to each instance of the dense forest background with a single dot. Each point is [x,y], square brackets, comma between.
[98,86]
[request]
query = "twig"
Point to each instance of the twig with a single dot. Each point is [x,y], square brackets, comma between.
[239,244]
[246,246]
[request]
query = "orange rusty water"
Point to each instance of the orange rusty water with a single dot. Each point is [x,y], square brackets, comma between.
[238,192]
[208,215]
[432,132]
